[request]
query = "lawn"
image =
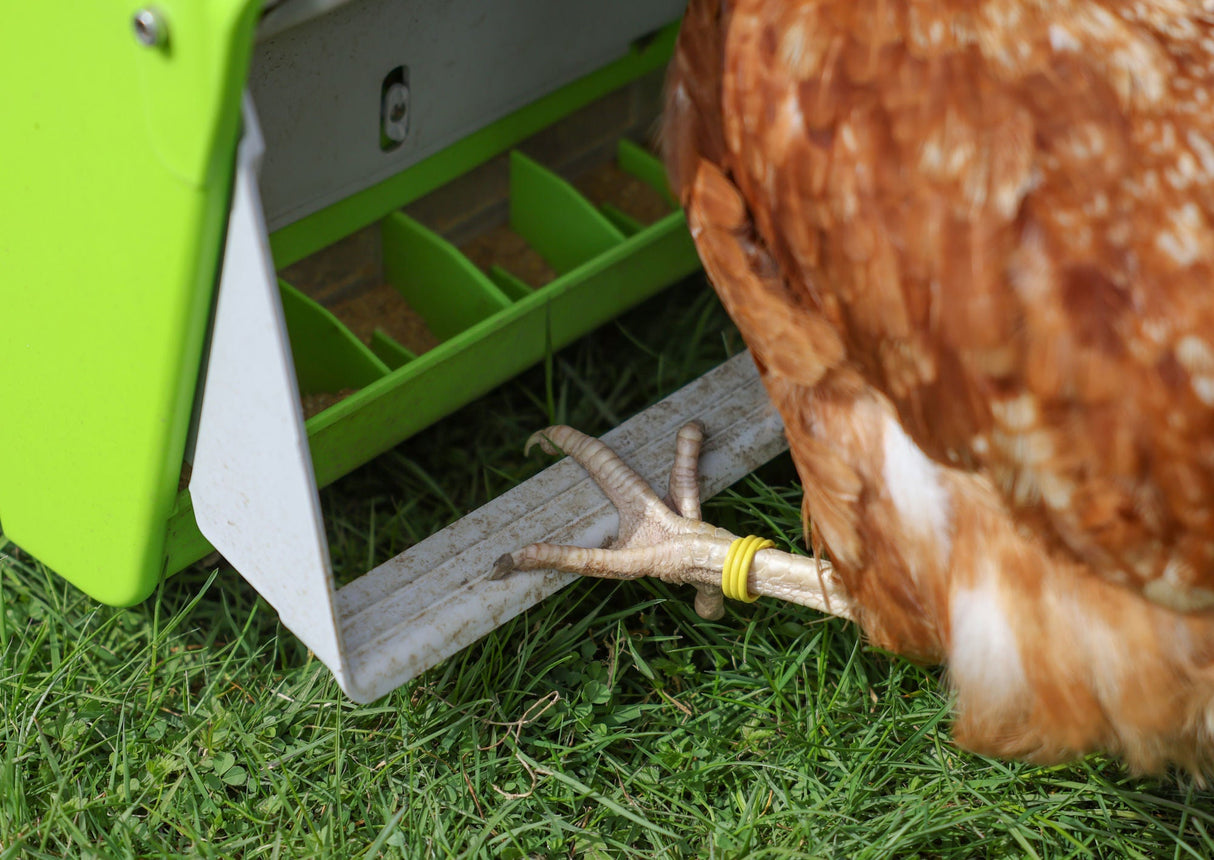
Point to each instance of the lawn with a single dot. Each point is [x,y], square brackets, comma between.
[609,721]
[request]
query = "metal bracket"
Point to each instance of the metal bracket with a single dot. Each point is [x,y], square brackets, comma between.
[255,495]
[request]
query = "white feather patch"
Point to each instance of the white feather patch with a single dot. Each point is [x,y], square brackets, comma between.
[913,484]
[984,658]
[1062,39]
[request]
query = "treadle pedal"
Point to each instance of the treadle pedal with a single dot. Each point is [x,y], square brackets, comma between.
[434,599]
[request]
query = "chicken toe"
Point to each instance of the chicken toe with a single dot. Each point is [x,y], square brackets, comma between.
[668,540]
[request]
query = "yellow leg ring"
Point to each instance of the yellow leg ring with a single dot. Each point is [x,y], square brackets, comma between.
[737,567]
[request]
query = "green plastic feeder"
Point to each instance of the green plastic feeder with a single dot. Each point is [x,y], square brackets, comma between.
[160,165]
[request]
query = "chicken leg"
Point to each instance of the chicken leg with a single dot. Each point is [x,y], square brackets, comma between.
[667,538]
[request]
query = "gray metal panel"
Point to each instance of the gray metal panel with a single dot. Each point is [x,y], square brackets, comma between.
[317,85]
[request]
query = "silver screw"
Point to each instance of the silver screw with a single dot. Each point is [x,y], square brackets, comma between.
[395,112]
[150,27]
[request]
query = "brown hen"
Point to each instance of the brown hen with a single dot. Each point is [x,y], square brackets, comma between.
[969,244]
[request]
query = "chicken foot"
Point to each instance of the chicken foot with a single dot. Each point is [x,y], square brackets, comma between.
[666,538]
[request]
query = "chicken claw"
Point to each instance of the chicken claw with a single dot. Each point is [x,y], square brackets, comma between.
[666,538]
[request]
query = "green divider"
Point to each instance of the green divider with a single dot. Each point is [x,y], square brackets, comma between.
[437,281]
[644,166]
[622,221]
[514,288]
[389,351]
[555,218]
[328,357]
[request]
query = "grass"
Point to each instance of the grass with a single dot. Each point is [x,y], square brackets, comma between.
[608,721]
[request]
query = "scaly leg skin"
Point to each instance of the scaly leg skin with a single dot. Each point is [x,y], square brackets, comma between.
[676,546]
[683,497]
